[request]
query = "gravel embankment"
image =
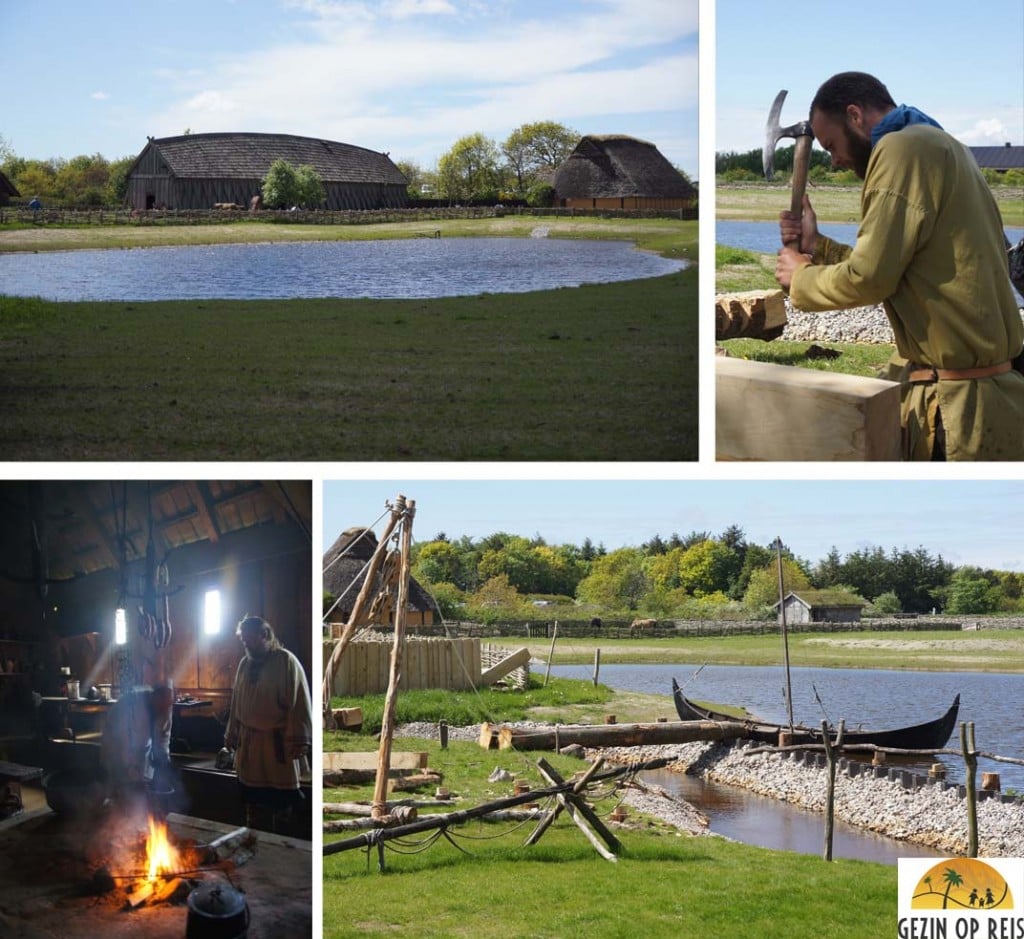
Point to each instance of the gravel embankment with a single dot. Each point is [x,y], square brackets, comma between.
[867,324]
[928,815]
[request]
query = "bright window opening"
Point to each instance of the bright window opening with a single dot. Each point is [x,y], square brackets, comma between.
[211,613]
[120,627]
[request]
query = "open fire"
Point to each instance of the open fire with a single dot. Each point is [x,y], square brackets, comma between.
[161,855]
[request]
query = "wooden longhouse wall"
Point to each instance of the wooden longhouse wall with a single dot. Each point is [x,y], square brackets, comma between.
[451,664]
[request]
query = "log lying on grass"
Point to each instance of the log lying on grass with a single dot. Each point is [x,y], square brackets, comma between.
[609,735]
[752,314]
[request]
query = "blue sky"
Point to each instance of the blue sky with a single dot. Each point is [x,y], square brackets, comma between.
[962,63]
[965,521]
[408,77]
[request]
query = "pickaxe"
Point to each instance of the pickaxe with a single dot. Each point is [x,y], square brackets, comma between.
[804,136]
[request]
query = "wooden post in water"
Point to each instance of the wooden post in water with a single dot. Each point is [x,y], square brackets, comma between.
[597,665]
[971,763]
[832,756]
[406,509]
[551,654]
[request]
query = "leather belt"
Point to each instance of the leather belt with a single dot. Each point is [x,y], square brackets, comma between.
[927,373]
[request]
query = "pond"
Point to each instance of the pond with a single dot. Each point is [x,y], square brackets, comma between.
[407,268]
[763,237]
[872,698]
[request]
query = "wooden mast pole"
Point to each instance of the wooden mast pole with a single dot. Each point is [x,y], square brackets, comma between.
[785,634]
[406,509]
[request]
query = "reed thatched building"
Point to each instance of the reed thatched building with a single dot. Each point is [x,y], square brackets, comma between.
[615,171]
[198,171]
[344,572]
[8,190]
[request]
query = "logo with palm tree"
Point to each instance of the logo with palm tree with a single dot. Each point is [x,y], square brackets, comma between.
[962,884]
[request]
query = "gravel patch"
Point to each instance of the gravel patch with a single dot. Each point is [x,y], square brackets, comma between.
[867,324]
[928,815]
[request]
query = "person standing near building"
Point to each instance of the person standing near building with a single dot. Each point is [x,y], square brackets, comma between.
[931,248]
[270,725]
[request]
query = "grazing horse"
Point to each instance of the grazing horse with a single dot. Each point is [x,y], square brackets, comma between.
[639,625]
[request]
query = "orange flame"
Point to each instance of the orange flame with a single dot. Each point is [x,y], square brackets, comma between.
[161,856]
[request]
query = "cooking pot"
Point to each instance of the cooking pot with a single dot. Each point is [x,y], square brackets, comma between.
[217,911]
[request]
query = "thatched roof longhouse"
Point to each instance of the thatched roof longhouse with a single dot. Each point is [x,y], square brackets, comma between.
[197,171]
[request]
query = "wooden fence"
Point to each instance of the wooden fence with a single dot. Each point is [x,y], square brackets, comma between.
[452,664]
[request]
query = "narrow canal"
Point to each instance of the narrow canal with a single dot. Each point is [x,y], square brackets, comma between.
[869,698]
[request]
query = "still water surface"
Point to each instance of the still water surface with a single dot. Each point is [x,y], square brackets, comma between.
[412,268]
[874,698]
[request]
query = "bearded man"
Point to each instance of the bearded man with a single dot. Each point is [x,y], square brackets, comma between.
[270,725]
[931,249]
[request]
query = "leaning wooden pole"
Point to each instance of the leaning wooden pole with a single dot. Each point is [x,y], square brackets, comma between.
[357,611]
[785,635]
[407,508]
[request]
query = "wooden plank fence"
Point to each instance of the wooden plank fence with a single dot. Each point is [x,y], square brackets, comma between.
[452,664]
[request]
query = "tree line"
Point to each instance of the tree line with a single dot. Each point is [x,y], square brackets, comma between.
[475,168]
[698,575]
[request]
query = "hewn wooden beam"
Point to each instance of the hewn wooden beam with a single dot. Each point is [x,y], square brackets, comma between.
[752,314]
[778,412]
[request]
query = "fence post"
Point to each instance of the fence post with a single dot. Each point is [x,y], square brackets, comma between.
[551,654]
[971,763]
[597,665]
[832,756]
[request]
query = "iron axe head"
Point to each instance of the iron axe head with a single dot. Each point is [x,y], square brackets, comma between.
[774,133]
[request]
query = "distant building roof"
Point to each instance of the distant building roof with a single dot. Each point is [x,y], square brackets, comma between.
[249,156]
[614,166]
[7,188]
[1002,158]
[818,599]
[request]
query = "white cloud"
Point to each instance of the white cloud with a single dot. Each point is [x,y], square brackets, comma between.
[411,76]
[99,96]
[985,133]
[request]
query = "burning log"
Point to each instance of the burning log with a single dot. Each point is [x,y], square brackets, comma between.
[241,841]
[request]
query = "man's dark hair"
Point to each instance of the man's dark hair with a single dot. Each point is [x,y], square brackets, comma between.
[847,88]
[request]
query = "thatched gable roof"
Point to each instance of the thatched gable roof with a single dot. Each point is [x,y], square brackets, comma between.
[7,188]
[346,575]
[249,156]
[617,166]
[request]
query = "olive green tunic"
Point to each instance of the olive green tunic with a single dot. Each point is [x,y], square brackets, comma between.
[930,248]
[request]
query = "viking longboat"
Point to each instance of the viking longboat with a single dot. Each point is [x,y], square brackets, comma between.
[932,735]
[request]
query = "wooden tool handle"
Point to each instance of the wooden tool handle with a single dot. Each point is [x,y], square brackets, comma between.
[801,159]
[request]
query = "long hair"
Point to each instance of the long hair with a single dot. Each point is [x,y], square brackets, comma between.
[848,88]
[251,622]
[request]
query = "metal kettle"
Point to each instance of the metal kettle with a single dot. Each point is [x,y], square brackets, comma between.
[217,911]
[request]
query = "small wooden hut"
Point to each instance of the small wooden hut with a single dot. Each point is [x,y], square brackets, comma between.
[823,606]
[200,171]
[614,171]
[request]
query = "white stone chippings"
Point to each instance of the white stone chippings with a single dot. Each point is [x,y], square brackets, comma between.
[928,815]
[867,324]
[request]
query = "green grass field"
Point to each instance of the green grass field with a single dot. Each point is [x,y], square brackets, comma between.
[604,372]
[484,882]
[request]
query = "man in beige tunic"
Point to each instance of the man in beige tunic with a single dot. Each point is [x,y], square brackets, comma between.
[270,726]
[930,248]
